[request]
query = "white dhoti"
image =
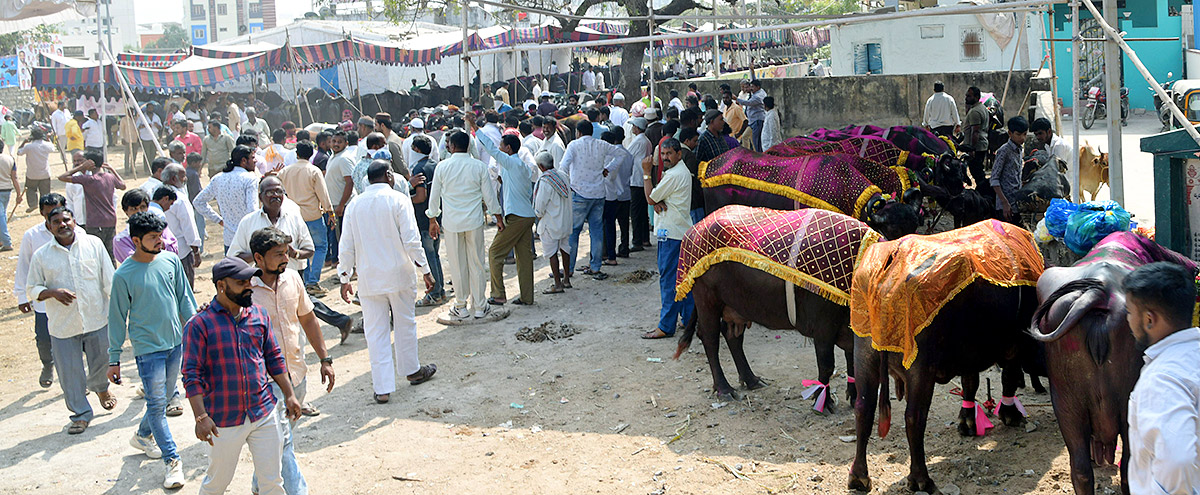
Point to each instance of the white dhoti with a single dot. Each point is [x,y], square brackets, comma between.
[390,326]
[465,256]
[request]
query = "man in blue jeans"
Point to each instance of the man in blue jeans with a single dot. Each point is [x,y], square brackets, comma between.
[671,199]
[584,162]
[150,300]
[422,146]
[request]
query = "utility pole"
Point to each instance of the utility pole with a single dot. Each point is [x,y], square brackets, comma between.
[1113,59]
[1076,111]
[716,45]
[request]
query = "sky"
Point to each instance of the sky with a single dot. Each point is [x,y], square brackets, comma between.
[149,11]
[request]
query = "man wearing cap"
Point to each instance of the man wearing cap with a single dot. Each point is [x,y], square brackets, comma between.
[230,357]
[366,125]
[381,243]
[547,108]
[149,302]
[259,125]
[617,113]
[75,132]
[395,144]
[639,222]
[418,129]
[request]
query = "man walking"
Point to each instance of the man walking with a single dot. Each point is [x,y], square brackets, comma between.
[639,148]
[75,132]
[395,144]
[463,190]
[975,139]
[584,163]
[230,356]
[258,125]
[150,301]
[517,233]
[380,242]
[36,151]
[37,236]
[93,132]
[941,112]
[217,148]
[305,185]
[280,292]
[236,191]
[616,199]
[72,277]
[99,182]
[427,168]
[181,218]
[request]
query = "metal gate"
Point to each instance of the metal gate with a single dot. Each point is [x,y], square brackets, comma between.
[1091,55]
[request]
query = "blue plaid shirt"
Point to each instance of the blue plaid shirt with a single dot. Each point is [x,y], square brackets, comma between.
[230,361]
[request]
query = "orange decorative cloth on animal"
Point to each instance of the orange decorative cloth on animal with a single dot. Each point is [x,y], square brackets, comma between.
[813,249]
[900,286]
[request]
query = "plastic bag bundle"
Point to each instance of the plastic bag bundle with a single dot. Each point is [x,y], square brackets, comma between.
[1057,215]
[1040,234]
[1094,221]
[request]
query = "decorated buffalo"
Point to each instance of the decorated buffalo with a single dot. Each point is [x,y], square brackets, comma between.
[925,309]
[780,269]
[1091,355]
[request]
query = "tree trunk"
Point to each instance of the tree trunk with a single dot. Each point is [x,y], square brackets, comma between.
[633,55]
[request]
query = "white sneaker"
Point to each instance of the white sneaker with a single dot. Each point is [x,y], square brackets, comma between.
[459,313]
[483,311]
[147,445]
[174,475]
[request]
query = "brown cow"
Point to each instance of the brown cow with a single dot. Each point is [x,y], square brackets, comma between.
[1093,169]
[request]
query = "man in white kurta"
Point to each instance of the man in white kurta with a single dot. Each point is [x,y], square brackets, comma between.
[381,243]
[463,187]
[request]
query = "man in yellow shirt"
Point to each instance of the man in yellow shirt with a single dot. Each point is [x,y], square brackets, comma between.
[75,133]
[734,115]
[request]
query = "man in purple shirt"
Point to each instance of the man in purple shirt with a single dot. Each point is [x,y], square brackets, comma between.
[99,182]
[133,202]
[229,351]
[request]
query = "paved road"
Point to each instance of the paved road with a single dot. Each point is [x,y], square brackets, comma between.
[1138,166]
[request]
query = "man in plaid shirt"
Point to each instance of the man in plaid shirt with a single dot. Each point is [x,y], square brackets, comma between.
[234,334]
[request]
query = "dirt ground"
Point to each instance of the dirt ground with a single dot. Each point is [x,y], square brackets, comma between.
[594,412]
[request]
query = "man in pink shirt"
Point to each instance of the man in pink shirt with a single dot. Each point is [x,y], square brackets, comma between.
[183,133]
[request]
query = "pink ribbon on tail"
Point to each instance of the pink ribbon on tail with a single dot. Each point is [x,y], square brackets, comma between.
[1011,401]
[815,387]
[982,424]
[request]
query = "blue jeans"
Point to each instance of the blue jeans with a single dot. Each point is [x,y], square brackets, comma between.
[320,235]
[293,479]
[5,240]
[756,127]
[160,372]
[431,246]
[331,238]
[696,214]
[592,212]
[668,264]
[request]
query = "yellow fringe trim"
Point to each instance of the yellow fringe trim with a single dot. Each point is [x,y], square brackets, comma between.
[866,195]
[702,171]
[949,142]
[905,178]
[760,262]
[903,158]
[764,186]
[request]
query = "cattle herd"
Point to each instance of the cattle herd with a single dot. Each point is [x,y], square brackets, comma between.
[920,309]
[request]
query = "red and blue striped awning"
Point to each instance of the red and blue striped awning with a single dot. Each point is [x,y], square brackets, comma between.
[150,60]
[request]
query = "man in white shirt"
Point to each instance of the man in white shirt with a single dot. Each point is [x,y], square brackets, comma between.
[617,113]
[73,276]
[941,112]
[259,125]
[37,152]
[1164,408]
[235,190]
[339,182]
[589,80]
[381,243]
[639,220]
[280,212]
[418,129]
[58,121]
[552,143]
[584,163]
[93,132]
[457,197]
[37,236]
[181,218]
[1051,142]
[276,156]
[772,133]
[147,132]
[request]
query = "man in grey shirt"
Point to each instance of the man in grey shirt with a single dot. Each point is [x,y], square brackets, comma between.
[756,113]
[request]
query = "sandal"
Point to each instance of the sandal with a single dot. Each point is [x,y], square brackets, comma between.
[567,284]
[553,290]
[47,378]
[107,401]
[77,427]
[610,262]
[599,276]
[657,334]
[427,301]
[309,410]
[382,398]
[496,302]
[422,375]
[518,302]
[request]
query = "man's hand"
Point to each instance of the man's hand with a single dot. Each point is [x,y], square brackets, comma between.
[434,228]
[428,282]
[327,376]
[293,406]
[647,165]
[206,430]
[499,223]
[339,210]
[195,256]
[25,307]
[332,222]
[417,180]
[292,253]
[114,373]
[1008,214]
[660,208]
[63,296]
[347,292]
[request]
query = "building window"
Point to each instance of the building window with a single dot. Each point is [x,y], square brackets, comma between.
[256,9]
[73,51]
[197,34]
[972,45]
[222,9]
[868,59]
[197,12]
[933,31]
[223,30]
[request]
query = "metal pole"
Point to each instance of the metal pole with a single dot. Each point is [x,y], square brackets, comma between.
[1112,76]
[292,65]
[716,54]
[650,81]
[101,101]
[1073,170]
[465,67]
[1054,83]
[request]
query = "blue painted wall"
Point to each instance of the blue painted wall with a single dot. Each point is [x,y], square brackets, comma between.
[199,34]
[1147,19]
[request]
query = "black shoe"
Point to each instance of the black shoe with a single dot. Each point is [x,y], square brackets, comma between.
[636,249]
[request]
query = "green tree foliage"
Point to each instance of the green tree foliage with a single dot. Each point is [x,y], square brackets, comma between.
[174,38]
[10,41]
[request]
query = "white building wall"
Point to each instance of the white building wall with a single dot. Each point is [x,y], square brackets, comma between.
[904,51]
[81,34]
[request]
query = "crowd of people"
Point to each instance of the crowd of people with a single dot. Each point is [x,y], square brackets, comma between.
[365,196]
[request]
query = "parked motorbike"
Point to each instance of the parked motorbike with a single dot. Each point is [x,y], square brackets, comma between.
[1164,113]
[1097,106]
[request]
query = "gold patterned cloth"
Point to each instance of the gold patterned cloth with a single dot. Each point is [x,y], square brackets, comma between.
[900,286]
[811,248]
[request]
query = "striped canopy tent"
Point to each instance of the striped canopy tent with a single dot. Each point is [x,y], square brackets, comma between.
[388,54]
[607,27]
[150,60]
[584,33]
[811,38]
[232,51]
[193,72]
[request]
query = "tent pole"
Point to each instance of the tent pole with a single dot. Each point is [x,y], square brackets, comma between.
[651,49]
[101,101]
[465,67]
[1073,170]
[292,65]
[357,81]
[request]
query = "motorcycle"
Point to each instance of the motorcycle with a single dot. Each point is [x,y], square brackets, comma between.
[1164,113]
[1097,106]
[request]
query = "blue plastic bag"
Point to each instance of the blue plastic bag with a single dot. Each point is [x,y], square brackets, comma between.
[1057,215]
[1093,222]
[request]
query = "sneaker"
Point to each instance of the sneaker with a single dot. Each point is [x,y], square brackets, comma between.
[484,311]
[459,313]
[146,445]
[174,477]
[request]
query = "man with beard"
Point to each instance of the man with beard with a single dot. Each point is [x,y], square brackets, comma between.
[182,218]
[280,291]
[151,298]
[381,243]
[72,276]
[1164,405]
[230,356]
